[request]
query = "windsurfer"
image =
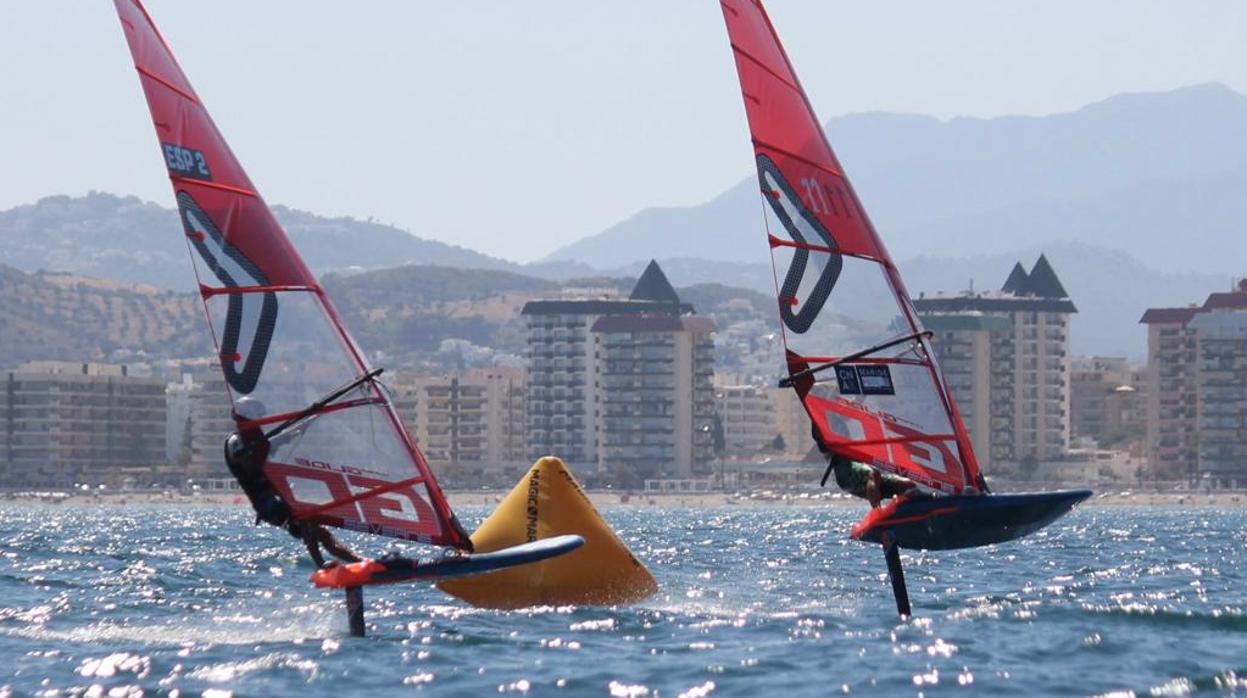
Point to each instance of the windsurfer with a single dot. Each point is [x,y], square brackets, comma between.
[861,480]
[245,453]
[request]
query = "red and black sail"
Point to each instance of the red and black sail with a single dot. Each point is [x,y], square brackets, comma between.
[282,345]
[857,353]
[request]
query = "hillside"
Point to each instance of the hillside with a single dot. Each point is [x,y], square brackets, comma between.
[410,310]
[59,316]
[107,236]
[402,315]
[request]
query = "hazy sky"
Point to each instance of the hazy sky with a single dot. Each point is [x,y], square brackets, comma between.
[515,127]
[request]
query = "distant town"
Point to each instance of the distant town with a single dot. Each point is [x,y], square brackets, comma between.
[627,390]
[638,391]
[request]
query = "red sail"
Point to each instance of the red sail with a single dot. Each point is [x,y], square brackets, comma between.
[857,353]
[282,345]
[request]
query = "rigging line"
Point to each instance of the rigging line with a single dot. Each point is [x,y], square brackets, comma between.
[765,67]
[889,360]
[898,440]
[758,142]
[787,382]
[209,291]
[336,407]
[322,403]
[214,185]
[165,83]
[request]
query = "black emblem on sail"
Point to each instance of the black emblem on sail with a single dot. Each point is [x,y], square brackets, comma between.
[233,270]
[784,202]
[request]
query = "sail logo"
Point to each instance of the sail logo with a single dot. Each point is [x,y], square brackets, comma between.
[864,379]
[186,162]
[250,316]
[812,274]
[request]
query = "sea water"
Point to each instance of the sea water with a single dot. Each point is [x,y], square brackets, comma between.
[752,602]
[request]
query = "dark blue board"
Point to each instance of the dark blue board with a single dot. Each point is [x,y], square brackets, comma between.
[392,568]
[966,521]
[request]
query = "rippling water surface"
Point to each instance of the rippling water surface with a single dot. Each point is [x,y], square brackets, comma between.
[118,601]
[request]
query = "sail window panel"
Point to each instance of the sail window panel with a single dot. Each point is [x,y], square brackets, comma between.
[279,348]
[834,305]
[335,457]
[359,439]
[914,404]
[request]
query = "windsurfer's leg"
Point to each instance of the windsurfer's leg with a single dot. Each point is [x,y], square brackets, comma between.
[313,548]
[332,544]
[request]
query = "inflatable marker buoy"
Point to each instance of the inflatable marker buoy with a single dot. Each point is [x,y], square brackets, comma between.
[549,502]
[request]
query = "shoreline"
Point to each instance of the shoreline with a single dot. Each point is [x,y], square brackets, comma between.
[607,499]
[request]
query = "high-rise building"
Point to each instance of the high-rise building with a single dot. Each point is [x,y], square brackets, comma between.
[63,423]
[469,423]
[655,394]
[976,353]
[1197,390]
[590,379]
[1171,395]
[1006,357]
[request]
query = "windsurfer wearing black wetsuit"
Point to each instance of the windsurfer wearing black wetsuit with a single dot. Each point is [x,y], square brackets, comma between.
[861,480]
[245,453]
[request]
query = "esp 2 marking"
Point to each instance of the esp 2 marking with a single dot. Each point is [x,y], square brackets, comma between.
[186,162]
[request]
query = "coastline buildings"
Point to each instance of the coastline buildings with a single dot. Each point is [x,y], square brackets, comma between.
[1106,402]
[1197,390]
[621,385]
[210,421]
[63,423]
[466,424]
[762,421]
[750,427]
[1006,357]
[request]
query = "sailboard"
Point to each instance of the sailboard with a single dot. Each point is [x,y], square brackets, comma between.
[857,354]
[339,454]
[392,569]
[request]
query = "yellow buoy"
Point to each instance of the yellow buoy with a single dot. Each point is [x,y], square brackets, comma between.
[549,502]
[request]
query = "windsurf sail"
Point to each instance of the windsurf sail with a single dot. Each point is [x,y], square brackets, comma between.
[346,462]
[856,351]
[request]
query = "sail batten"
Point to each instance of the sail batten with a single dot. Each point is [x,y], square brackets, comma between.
[281,345]
[857,354]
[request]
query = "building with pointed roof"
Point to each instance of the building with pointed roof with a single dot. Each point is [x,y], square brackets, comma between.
[624,386]
[1006,357]
[654,286]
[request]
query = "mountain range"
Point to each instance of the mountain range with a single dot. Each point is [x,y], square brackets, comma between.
[1157,175]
